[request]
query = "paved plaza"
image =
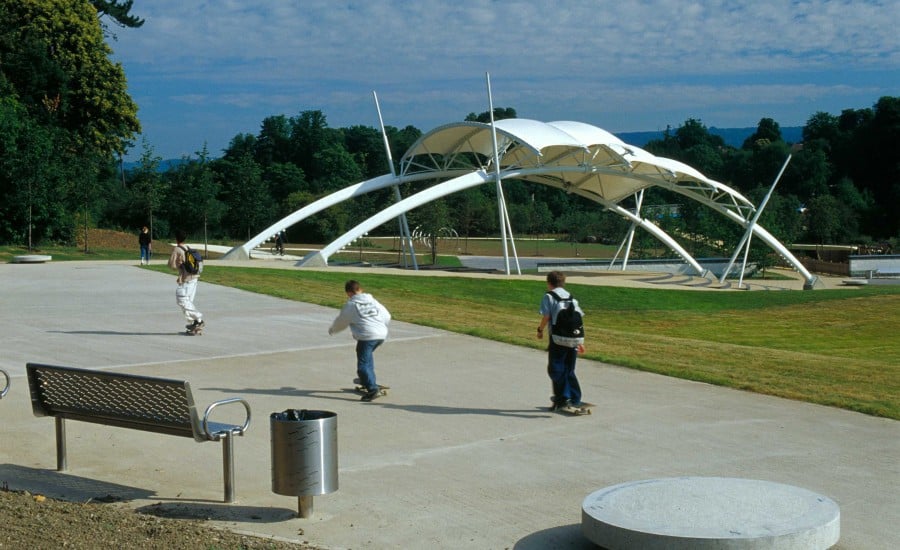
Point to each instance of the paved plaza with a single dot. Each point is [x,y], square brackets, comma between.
[462,454]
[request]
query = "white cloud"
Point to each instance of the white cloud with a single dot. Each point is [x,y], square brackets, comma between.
[593,57]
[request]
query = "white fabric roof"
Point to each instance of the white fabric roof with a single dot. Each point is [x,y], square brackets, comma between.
[562,154]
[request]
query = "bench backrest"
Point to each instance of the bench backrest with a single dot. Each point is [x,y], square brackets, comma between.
[130,401]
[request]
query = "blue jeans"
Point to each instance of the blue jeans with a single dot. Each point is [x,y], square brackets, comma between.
[365,362]
[561,369]
[145,254]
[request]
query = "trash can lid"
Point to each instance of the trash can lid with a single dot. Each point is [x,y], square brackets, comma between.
[295,415]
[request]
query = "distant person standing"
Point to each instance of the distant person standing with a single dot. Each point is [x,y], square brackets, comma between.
[279,243]
[368,321]
[562,351]
[187,285]
[146,244]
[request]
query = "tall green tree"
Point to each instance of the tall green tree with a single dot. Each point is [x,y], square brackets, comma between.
[83,90]
[147,187]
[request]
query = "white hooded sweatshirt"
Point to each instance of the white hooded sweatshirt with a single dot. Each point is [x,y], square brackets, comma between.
[366,317]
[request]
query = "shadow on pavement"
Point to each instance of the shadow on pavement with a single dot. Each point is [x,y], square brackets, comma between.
[217,512]
[67,486]
[565,537]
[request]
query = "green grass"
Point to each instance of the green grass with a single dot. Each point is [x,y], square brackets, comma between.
[832,347]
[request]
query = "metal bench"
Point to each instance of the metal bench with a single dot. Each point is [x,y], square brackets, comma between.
[5,389]
[129,401]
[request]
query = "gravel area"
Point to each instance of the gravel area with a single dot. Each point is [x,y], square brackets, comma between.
[37,522]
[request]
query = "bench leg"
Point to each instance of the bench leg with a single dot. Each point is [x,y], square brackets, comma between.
[61,463]
[228,466]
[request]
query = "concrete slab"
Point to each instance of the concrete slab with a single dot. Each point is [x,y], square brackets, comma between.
[461,454]
[697,513]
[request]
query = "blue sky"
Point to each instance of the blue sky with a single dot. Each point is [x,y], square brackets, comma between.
[203,71]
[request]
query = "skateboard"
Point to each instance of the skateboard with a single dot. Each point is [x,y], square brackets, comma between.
[584,408]
[383,390]
[191,330]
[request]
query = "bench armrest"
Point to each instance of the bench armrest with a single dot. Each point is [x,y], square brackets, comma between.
[238,430]
[5,389]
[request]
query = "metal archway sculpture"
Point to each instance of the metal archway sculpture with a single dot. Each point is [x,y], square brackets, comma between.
[572,156]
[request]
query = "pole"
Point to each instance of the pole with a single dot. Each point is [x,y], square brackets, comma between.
[402,221]
[501,207]
[750,226]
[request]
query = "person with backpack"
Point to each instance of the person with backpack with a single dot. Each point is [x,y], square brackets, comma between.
[560,310]
[188,263]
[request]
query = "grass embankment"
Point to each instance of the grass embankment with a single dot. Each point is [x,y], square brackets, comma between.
[832,347]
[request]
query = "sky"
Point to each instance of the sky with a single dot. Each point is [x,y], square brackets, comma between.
[204,71]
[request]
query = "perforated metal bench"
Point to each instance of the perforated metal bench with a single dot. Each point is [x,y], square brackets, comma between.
[5,389]
[129,401]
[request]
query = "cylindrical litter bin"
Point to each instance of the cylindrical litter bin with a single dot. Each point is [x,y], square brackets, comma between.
[304,455]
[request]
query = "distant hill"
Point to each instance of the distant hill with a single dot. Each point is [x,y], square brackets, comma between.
[164,165]
[732,136]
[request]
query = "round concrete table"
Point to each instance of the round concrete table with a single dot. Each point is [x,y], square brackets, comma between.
[709,512]
[31,259]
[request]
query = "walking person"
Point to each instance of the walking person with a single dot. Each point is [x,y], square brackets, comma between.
[562,350]
[186,290]
[368,321]
[146,244]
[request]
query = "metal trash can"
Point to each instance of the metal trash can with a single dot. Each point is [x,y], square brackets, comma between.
[304,455]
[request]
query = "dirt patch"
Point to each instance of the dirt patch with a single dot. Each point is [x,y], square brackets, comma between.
[34,521]
[110,239]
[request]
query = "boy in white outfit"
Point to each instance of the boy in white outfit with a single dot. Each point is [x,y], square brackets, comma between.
[368,321]
[186,290]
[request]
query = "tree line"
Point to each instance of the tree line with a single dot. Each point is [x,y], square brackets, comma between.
[66,119]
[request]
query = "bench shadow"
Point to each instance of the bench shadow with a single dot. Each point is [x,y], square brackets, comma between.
[349,394]
[564,537]
[208,511]
[65,486]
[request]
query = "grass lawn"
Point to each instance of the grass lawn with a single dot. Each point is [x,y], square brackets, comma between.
[832,347]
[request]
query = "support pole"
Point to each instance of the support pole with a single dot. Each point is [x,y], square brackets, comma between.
[501,202]
[228,466]
[61,462]
[405,238]
[305,506]
[750,226]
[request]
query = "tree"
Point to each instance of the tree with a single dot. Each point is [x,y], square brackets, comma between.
[32,208]
[824,219]
[78,84]
[147,186]
[197,195]
[119,12]
[767,131]
[429,220]
[249,206]
[500,113]
[472,213]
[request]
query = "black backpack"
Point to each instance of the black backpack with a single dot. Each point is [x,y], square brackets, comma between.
[569,327]
[193,261]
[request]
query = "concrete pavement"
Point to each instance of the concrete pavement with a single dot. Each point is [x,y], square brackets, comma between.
[461,454]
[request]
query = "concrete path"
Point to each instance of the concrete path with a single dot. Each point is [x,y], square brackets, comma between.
[461,454]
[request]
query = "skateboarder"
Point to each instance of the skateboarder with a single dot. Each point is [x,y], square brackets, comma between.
[561,354]
[368,321]
[187,286]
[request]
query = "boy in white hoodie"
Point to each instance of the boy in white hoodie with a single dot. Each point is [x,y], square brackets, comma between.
[368,321]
